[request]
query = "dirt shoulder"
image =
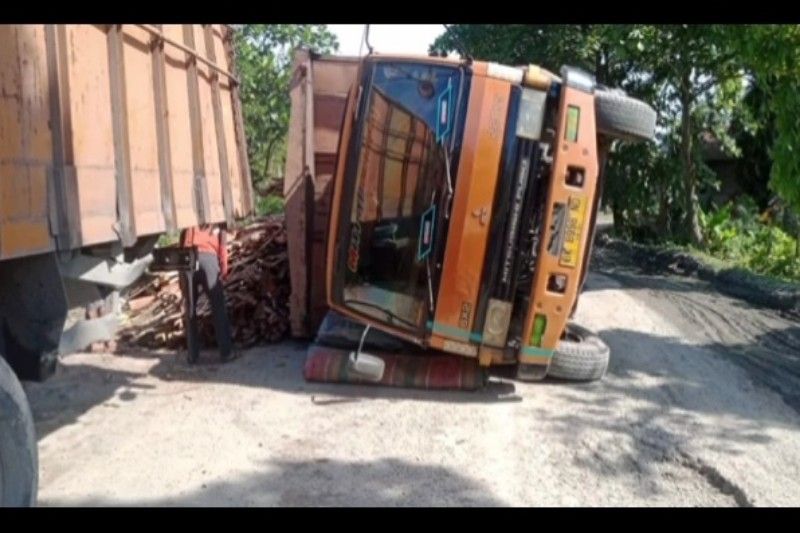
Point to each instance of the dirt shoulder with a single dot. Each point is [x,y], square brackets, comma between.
[739,283]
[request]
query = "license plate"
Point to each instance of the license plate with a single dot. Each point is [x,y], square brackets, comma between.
[576,215]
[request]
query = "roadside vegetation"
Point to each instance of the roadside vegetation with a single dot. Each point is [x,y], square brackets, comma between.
[264,54]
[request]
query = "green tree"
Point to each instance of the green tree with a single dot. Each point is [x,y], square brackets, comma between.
[264,58]
[756,141]
[700,79]
[772,54]
[587,46]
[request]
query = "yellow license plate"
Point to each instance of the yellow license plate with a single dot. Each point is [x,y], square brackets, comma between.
[576,215]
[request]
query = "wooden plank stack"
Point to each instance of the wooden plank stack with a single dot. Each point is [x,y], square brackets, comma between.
[256,290]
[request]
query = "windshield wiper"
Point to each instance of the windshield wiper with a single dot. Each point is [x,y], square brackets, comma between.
[391,316]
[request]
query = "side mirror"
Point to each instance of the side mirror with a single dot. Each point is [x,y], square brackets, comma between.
[366,366]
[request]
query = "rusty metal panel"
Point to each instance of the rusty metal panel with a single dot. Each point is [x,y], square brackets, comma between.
[125,226]
[112,132]
[318,93]
[332,80]
[199,184]
[162,134]
[228,125]
[180,129]
[334,74]
[246,201]
[240,204]
[142,131]
[63,172]
[295,185]
[228,130]
[92,132]
[26,145]
[216,211]
[219,129]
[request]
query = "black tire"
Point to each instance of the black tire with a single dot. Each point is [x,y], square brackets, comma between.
[622,117]
[580,356]
[19,461]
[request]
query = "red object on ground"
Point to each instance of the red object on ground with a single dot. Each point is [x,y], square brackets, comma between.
[424,371]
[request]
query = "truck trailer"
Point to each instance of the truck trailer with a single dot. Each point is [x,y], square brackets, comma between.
[110,137]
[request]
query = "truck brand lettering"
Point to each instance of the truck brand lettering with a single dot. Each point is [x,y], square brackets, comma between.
[466,314]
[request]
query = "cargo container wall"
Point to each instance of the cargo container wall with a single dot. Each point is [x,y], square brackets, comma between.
[319,90]
[26,147]
[115,132]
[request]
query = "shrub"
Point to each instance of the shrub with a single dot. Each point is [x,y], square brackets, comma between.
[736,233]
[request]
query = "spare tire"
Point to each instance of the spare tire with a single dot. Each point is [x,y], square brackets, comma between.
[580,356]
[622,117]
[18,452]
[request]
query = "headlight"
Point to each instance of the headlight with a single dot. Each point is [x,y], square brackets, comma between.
[498,317]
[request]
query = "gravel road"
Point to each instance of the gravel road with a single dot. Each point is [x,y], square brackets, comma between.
[700,407]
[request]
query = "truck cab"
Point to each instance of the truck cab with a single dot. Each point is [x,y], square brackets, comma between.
[463,203]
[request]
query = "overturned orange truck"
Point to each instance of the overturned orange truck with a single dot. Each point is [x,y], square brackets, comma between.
[451,204]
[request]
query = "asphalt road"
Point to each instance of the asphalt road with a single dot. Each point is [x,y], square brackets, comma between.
[699,407]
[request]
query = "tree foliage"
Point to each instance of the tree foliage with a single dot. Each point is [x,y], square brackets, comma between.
[264,58]
[772,54]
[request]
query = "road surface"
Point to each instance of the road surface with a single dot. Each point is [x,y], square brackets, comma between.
[699,407]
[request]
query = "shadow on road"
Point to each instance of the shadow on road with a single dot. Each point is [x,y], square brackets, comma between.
[323,482]
[280,367]
[75,389]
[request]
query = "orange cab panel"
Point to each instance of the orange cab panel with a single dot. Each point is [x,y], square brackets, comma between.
[566,229]
[472,210]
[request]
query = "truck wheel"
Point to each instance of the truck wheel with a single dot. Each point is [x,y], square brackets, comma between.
[580,356]
[18,449]
[622,117]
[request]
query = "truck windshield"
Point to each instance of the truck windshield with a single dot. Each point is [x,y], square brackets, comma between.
[393,210]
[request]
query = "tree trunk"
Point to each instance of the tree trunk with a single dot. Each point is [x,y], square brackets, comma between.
[692,203]
[601,66]
[270,147]
[662,219]
[797,245]
[620,224]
